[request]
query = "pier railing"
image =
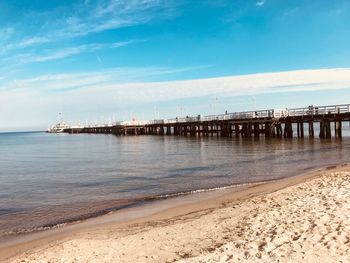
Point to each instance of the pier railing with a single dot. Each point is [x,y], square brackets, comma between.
[219,117]
[320,110]
[274,113]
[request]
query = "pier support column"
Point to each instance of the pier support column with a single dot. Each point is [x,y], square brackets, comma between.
[229,129]
[328,130]
[244,130]
[338,129]
[256,130]
[267,129]
[300,129]
[205,129]
[176,130]
[250,129]
[168,130]
[322,130]
[273,129]
[186,128]
[236,130]
[288,130]
[279,130]
[193,130]
[223,129]
[325,129]
[311,129]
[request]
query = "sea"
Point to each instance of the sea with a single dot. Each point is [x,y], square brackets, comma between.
[48,180]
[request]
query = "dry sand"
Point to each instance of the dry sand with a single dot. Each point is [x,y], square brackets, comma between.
[304,219]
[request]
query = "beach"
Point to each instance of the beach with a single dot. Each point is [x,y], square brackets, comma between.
[154,131]
[300,219]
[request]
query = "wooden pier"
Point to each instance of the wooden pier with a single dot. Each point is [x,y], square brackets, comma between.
[300,122]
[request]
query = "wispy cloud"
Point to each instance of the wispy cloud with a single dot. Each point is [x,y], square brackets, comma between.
[74,81]
[54,54]
[28,42]
[56,36]
[83,19]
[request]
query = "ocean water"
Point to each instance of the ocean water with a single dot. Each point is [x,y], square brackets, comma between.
[50,179]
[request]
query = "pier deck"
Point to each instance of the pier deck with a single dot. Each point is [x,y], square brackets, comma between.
[300,122]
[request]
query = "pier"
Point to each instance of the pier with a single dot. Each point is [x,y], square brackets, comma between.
[281,123]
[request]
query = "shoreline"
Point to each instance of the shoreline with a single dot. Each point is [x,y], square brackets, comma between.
[116,205]
[175,208]
[120,205]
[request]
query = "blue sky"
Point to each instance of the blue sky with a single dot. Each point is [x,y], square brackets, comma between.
[115,59]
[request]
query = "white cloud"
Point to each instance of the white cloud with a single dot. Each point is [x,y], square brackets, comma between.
[292,81]
[260,2]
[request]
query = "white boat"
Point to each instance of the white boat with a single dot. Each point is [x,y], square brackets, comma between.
[58,128]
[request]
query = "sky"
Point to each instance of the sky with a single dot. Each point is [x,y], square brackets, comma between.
[107,60]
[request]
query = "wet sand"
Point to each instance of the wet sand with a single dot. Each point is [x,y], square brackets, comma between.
[303,218]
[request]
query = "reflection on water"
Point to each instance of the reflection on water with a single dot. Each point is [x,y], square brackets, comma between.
[48,176]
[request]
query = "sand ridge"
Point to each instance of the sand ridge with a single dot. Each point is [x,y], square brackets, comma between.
[307,222]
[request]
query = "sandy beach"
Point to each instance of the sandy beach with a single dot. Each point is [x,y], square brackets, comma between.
[299,219]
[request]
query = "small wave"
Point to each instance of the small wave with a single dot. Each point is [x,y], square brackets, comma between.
[164,196]
[32,230]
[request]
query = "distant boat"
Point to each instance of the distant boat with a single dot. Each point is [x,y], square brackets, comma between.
[58,128]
